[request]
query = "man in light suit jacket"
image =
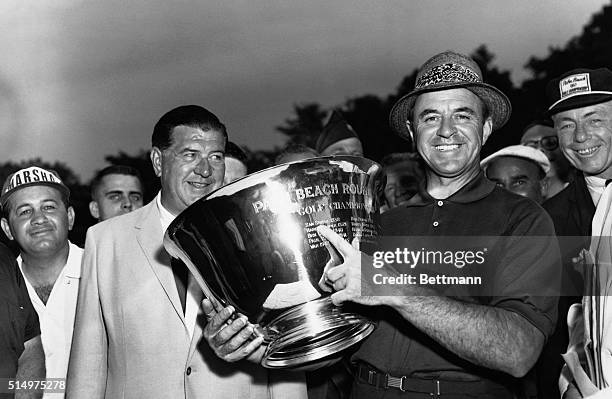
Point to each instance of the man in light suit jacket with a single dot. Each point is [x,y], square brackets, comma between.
[139,326]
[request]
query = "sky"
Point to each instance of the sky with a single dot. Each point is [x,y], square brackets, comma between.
[81,79]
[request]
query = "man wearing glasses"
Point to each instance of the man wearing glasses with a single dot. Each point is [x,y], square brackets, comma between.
[540,134]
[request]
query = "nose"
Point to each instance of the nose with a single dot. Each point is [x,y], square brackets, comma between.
[447,128]
[581,134]
[127,203]
[203,168]
[39,217]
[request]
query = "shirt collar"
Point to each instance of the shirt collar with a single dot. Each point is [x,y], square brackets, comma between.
[73,265]
[165,216]
[596,187]
[72,268]
[477,188]
[593,181]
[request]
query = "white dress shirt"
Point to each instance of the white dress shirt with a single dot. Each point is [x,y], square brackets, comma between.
[56,318]
[194,293]
[596,187]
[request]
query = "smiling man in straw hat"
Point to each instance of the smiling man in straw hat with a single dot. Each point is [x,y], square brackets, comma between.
[452,340]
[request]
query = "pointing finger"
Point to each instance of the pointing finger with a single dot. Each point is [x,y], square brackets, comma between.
[337,241]
[356,243]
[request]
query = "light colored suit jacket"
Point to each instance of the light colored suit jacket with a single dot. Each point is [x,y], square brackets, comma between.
[130,338]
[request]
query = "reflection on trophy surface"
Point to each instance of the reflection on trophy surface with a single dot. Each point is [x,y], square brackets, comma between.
[253,244]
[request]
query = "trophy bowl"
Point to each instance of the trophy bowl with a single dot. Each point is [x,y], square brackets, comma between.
[253,244]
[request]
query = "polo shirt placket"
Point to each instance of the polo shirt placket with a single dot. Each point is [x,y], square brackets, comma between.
[477,209]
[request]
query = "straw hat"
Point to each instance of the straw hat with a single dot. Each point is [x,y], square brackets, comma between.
[445,71]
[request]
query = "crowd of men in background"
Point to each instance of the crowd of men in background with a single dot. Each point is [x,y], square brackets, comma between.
[82,314]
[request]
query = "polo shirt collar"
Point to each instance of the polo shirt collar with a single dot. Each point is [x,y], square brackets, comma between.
[476,189]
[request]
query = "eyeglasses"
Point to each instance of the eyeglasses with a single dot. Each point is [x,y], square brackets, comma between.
[548,143]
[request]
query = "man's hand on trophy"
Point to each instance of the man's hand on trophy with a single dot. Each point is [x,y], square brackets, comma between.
[230,335]
[346,277]
[335,259]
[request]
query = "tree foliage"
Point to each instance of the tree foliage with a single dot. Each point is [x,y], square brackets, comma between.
[305,126]
[590,49]
[368,114]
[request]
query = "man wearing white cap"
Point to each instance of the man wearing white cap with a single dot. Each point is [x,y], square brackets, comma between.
[467,340]
[580,105]
[37,215]
[519,169]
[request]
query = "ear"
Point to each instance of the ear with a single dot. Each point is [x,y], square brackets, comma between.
[411,132]
[93,210]
[487,129]
[70,217]
[6,228]
[156,160]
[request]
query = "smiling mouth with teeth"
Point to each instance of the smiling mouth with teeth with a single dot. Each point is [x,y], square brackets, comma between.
[446,147]
[198,185]
[587,151]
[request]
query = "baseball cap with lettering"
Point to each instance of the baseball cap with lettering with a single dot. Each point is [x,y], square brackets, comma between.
[579,88]
[32,176]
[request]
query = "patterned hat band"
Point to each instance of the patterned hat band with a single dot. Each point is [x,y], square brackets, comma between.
[447,73]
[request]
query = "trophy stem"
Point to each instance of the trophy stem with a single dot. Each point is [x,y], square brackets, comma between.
[312,331]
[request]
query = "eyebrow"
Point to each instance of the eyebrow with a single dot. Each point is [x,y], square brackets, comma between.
[112,192]
[427,111]
[434,111]
[465,109]
[22,205]
[30,204]
[588,114]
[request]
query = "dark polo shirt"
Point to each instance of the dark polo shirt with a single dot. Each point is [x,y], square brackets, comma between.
[18,319]
[520,269]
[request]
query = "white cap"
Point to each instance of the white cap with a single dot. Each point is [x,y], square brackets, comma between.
[519,151]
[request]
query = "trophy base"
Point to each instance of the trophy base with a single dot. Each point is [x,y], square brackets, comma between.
[312,331]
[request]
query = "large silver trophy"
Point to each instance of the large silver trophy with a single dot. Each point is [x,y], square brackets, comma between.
[253,244]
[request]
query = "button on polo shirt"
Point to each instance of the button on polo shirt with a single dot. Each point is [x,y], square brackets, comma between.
[436,216]
[477,209]
[429,215]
